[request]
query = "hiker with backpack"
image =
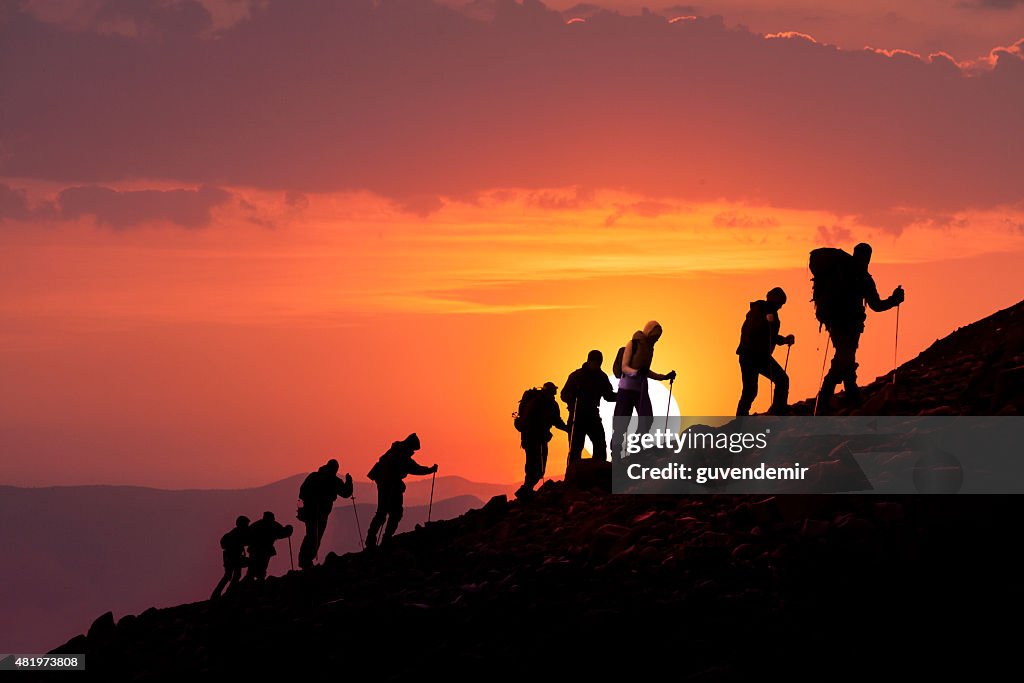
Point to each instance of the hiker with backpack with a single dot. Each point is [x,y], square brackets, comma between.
[262,535]
[633,368]
[582,394]
[388,473]
[758,338]
[316,499]
[233,544]
[842,286]
[538,413]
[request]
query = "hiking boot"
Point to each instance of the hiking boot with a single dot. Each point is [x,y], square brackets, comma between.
[852,399]
[778,410]
[524,494]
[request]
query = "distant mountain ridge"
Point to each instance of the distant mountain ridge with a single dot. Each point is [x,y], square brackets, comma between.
[71,551]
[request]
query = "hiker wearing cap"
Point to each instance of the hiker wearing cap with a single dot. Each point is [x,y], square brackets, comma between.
[633,368]
[316,497]
[582,394]
[262,535]
[233,544]
[538,413]
[389,472]
[842,287]
[758,338]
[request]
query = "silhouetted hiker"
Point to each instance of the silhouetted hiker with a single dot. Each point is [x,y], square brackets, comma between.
[262,534]
[582,393]
[842,286]
[233,544]
[758,339]
[388,473]
[633,371]
[318,493]
[538,413]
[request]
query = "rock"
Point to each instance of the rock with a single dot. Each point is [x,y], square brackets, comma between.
[814,528]
[765,511]
[743,551]
[102,628]
[496,505]
[589,474]
[644,517]
[888,512]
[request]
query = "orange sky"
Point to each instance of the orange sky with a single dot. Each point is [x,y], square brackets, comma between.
[178,358]
[239,238]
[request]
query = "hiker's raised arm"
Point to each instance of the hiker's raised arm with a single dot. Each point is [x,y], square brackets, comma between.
[877,304]
[608,391]
[345,486]
[416,468]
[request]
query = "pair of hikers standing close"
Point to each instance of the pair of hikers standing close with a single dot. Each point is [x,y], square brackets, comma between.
[258,538]
[321,488]
[842,287]
[317,494]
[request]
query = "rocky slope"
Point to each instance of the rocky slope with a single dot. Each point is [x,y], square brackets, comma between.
[976,370]
[579,583]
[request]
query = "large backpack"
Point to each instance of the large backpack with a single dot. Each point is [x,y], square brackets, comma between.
[525,416]
[386,467]
[834,287]
[617,364]
[309,488]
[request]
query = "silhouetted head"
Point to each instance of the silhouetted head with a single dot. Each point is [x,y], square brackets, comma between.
[549,388]
[652,330]
[594,359]
[862,254]
[776,297]
[332,466]
[242,522]
[412,442]
[268,516]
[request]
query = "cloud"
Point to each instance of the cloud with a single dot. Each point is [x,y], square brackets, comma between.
[160,20]
[560,200]
[834,235]
[14,204]
[363,96]
[734,219]
[645,209]
[991,4]
[120,209]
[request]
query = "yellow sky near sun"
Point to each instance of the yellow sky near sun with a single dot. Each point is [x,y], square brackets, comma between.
[236,354]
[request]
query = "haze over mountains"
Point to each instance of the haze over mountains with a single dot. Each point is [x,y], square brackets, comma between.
[73,552]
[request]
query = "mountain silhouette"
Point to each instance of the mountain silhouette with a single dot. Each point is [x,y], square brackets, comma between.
[578,583]
[77,550]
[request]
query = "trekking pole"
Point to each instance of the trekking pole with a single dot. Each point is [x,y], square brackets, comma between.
[896,346]
[572,431]
[786,366]
[821,380]
[359,529]
[671,383]
[430,507]
[291,554]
